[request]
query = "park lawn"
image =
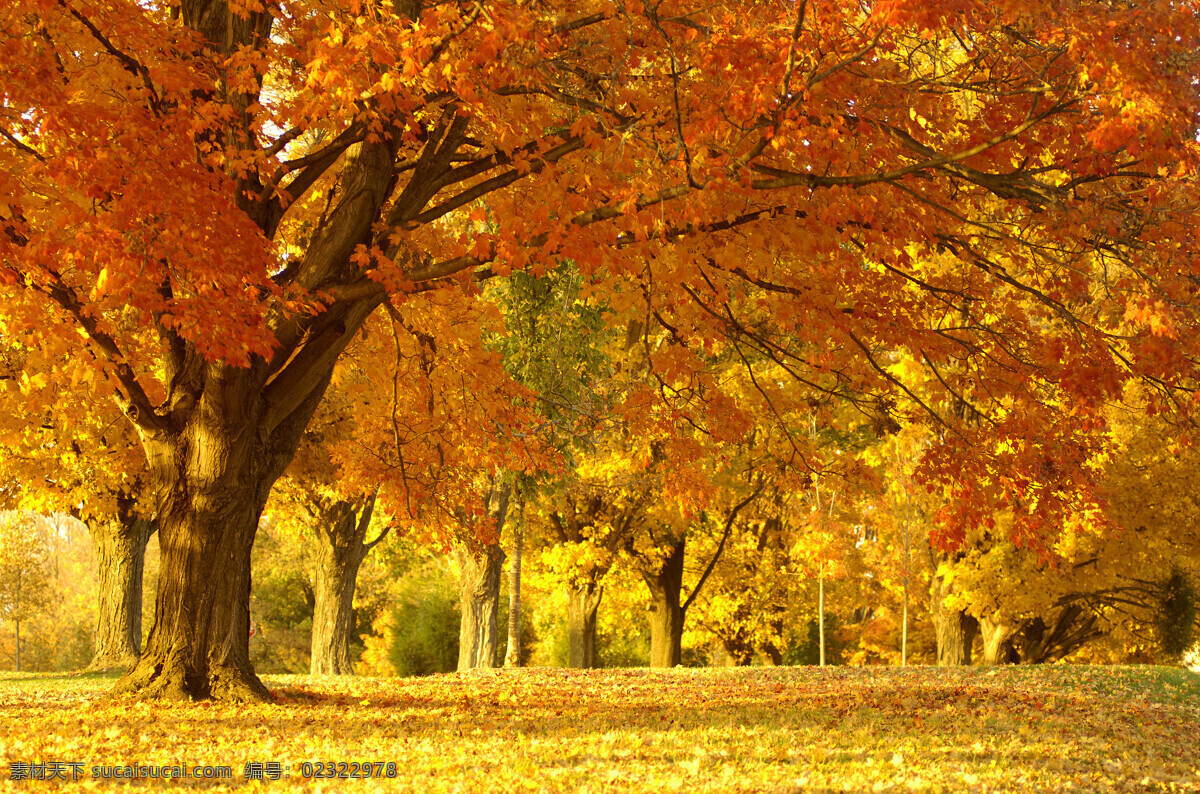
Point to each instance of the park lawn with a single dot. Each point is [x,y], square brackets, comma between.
[758,729]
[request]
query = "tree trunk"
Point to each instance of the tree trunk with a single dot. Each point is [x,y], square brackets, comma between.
[212,471]
[955,629]
[821,612]
[666,612]
[341,548]
[736,637]
[583,600]
[512,655]
[738,649]
[480,582]
[997,641]
[1039,642]
[480,573]
[121,553]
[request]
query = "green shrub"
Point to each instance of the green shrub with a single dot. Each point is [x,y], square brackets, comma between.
[805,649]
[426,621]
[1177,616]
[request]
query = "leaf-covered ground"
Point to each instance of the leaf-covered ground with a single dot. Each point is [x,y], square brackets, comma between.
[772,729]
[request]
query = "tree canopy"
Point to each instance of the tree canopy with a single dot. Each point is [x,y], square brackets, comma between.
[978,216]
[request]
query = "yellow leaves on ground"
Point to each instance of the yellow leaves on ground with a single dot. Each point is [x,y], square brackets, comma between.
[761,729]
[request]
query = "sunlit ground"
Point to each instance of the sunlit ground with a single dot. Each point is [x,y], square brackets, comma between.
[760,729]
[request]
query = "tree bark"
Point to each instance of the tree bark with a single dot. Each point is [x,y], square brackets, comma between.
[212,468]
[512,655]
[480,573]
[341,548]
[821,613]
[666,612]
[583,601]
[121,553]
[997,641]
[955,629]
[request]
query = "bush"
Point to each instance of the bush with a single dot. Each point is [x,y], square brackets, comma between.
[425,626]
[806,649]
[1177,616]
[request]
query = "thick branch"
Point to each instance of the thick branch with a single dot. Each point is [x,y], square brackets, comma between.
[132,397]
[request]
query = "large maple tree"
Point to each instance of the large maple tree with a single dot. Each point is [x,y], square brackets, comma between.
[205,200]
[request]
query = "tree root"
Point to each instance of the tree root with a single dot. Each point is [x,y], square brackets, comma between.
[151,679]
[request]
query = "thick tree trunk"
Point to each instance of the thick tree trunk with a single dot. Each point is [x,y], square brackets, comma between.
[121,554]
[480,571]
[341,548]
[583,600]
[212,472]
[955,629]
[997,641]
[199,645]
[479,574]
[666,611]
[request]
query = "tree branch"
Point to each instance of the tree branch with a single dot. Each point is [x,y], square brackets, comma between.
[721,546]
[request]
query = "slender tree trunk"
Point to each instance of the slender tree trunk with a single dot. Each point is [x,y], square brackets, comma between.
[907,577]
[121,553]
[341,548]
[512,655]
[17,628]
[821,611]
[666,612]
[583,601]
[955,629]
[770,648]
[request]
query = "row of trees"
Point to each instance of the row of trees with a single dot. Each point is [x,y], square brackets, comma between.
[751,566]
[240,238]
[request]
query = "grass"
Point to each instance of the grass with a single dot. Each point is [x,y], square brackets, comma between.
[761,729]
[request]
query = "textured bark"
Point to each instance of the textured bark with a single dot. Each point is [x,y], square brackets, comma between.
[341,548]
[583,601]
[666,612]
[121,554]
[479,573]
[955,629]
[212,473]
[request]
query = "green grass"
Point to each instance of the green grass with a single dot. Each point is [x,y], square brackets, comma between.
[763,729]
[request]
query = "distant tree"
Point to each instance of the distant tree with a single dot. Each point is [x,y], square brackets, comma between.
[25,573]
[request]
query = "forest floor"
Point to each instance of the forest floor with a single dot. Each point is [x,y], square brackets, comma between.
[758,729]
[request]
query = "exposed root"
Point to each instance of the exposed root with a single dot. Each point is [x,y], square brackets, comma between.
[154,680]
